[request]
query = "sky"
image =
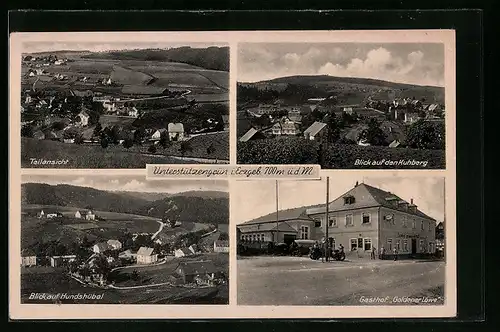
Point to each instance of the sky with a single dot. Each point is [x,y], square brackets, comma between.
[34,47]
[257,198]
[129,183]
[412,63]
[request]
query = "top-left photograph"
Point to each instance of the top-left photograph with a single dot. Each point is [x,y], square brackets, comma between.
[123,105]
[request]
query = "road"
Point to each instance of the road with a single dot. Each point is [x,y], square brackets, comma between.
[301,281]
[162,224]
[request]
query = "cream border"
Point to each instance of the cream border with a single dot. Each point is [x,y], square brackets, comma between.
[24,311]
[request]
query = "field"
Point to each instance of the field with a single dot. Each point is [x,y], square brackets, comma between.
[54,281]
[68,229]
[301,281]
[296,150]
[88,156]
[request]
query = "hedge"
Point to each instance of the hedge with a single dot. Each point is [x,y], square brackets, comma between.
[296,150]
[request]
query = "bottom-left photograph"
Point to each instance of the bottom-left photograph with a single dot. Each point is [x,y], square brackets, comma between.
[121,239]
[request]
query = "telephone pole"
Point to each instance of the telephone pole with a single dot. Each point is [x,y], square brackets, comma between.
[326,217]
[277,212]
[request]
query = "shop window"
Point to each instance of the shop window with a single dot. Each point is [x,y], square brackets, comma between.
[332,222]
[348,220]
[405,245]
[366,218]
[368,244]
[304,232]
[389,245]
[317,224]
[354,244]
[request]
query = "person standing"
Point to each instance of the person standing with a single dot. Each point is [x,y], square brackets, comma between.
[382,251]
[395,253]
[374,253]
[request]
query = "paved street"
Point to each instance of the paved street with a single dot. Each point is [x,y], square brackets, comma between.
[302,281]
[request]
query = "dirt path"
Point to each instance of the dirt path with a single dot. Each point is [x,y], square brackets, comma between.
[162,224]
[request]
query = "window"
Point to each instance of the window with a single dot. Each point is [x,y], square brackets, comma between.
[354,244]
[422,225]
[332,222]
[413,224]
[389,245]
[405,221]
[398,245]
[349,200]
[405,245]
[304,232]
[348,220]
[430,226]
[317,224]
[366,218]
[368,244]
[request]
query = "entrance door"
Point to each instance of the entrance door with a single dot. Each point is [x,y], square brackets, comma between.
[360,243]
[413,246]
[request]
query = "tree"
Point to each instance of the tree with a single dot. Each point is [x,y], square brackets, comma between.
[165,139]
[152,149]
[223,236]
[210,149]
[128,143]
[79,139]
[185,147]
[104,143]
[97,129]
[333,128]
[102,266]
[135,275]
[27,131]
[373,134]
[139,136]
[426,135]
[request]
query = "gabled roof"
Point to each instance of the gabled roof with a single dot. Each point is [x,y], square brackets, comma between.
[27,252]
[220,243]
[179,127]
[186,251]
[394,144]
[195,268]
[248,135]
[271,227]
[145,251]
[367,196]
[114,242]
[283,215]
[315,128]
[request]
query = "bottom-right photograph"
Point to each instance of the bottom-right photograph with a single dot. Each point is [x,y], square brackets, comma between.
[341,240]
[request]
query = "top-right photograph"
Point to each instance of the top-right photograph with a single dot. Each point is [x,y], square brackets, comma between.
[342,105]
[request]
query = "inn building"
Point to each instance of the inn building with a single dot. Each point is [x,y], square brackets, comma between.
[362,218]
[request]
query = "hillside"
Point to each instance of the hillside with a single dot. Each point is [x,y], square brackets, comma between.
[82,197]
[191,209]
[216,58]
[348,90]
[201,206]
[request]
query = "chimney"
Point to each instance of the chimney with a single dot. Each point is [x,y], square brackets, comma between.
[411,200]
[357,183]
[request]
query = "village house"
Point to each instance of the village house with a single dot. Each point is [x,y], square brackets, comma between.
[221,246]
[101,247]
[267,109]
[194,249]
[410,117]
[394,144]
[157,134]
[182,252]
[189,271]
[90,215]
[78,215]
[114,244]
[146,255]
[176,131]
[348,110]
[58,261]
[284,127]
[127,254]
[225,120]
[295,115]
[317,131]
[84,118]
[363,217]
[38,134]
[109,106]
[28,257]
[133,112]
